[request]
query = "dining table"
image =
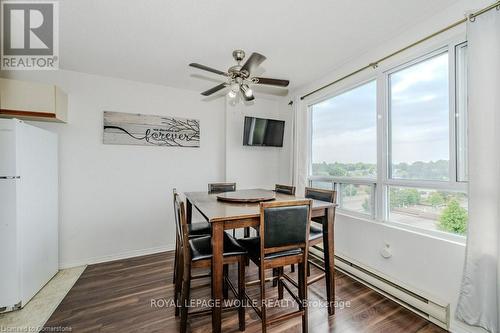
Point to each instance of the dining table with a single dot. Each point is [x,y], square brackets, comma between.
[234,214]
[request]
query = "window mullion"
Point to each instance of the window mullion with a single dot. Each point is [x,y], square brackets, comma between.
[382,147]
[452,114]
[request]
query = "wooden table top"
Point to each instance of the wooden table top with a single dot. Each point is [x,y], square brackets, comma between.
[215,210]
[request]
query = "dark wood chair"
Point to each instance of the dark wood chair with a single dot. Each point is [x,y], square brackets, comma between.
[286,189]
[274,249]
[197,229]
[320,194]
[221,187]
[316,239]
[197,253]
[316,232]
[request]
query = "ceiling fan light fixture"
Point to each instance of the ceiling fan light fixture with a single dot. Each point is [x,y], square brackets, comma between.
[238,78]
[246,90]
[235,87]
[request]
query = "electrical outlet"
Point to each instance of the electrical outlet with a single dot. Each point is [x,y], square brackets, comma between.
[386,251]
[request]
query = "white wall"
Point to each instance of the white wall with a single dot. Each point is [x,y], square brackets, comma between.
[257,167]
[419,261]
[115,201]
[423,263]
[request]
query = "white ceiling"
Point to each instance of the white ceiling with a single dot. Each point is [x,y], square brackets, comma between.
[154,40]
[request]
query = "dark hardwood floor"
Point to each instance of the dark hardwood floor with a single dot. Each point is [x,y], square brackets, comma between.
[120,296]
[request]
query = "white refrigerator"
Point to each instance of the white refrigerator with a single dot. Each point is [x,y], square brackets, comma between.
[28,211]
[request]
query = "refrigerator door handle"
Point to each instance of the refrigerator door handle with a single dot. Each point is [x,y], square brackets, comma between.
[11,177]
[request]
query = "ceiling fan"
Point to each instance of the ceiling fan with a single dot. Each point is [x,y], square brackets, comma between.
[239,77]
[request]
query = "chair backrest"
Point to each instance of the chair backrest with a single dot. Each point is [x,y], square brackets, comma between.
[178,227]
[284,225]
[221,187]
[286,189]
[180,221]
[321,194]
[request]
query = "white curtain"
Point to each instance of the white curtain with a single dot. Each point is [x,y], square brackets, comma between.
[480,294]
[300,150]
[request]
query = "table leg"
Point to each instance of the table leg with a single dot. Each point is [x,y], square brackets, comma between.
[189,211]
[328,248]
[217,274]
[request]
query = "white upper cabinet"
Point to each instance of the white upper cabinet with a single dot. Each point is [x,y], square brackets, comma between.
[32,101]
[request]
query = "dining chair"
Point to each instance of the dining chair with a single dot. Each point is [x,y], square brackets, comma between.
[320,194]
[283,240]
[226,187]
[197,253]
[197,229]
[285,189]
[221,187]
[316,232]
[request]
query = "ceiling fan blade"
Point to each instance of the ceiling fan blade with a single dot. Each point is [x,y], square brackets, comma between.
[208,69]
[271,82]
[253,62]
[245,97]
[214,89]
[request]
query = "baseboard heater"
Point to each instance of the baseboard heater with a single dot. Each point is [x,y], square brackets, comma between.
[431,309]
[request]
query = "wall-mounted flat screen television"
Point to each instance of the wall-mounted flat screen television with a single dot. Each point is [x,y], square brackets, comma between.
[263,132]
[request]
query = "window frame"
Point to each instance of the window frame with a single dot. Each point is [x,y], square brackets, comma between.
[336,181]
[310,106]
[382,182]
[388,97]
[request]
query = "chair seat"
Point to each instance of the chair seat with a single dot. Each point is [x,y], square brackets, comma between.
[199,229]
[201,247]
[315,232]
[252,246]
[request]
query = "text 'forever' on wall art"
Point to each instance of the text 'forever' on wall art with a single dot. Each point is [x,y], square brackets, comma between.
[150,130]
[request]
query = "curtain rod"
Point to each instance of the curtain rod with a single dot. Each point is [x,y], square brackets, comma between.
[375,64]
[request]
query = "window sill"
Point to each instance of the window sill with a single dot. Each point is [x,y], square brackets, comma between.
[443,236]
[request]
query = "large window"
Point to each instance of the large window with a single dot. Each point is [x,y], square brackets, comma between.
[429,209]
[419,120]
[421,138]
[344,139]
[357,198]
[344,145]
